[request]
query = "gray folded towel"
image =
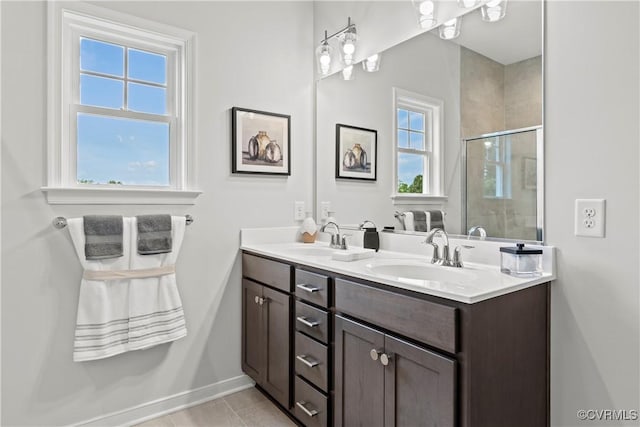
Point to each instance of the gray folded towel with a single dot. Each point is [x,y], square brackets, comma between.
[437,219]
[420,221]
[103,236]
[154,234]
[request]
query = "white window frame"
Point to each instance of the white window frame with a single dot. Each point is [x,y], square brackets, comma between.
[66,25]
[433,183]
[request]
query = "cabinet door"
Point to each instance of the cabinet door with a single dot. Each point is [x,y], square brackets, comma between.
[419,386]
[276,311]
[253,353]
[359,380]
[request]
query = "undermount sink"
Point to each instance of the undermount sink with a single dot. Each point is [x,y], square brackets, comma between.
[419,270]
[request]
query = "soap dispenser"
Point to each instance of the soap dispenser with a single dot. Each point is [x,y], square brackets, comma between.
[371,239]
[309,229]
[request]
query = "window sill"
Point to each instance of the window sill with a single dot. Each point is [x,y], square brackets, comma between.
[417,199]
[119,196]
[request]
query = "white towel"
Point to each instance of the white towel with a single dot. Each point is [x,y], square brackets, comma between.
[123,314]
[410,224]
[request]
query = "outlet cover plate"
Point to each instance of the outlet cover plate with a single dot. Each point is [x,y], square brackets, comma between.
[325,207]
[590,216]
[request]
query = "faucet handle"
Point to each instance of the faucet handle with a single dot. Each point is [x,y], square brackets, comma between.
[435,258]
[343,242]
[456,259]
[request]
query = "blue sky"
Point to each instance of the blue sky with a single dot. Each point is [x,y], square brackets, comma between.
[410,135]
[133,152]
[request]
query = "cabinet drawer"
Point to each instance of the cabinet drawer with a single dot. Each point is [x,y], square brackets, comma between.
[312,287]
[424,321]
[310,405]
[266,271]
[311,361]
[312,321]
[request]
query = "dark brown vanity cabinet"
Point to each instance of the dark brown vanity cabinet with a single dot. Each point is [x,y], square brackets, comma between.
[338,350]
[266,328]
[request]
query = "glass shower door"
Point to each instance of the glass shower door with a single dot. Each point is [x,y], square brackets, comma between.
[503,189]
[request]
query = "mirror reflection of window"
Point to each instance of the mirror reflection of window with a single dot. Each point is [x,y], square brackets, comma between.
[497,168]
[417,144]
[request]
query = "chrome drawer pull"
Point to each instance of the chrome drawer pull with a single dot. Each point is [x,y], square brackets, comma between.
[307,360]
[301,405]
[308,322]
[308,288]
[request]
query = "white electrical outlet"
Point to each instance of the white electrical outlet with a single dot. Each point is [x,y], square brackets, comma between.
[298,211]
[590,217]
[325,207]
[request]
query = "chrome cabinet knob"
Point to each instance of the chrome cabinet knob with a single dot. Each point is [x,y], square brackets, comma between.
[374,354]
[257,299]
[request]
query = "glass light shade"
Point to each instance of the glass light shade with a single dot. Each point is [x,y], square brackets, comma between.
[468,4]
[426,12]
[372,63]
[323,58]
[450,29]
[348,46]
[494,10]
[347,73]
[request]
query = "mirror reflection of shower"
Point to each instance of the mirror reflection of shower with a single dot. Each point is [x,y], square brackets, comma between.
[504,183]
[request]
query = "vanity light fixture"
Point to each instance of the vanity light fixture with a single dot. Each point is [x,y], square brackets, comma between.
[347,37]
[494,10]
[468,4]
[372,63]
[323,56]
[450,29]
[426,10]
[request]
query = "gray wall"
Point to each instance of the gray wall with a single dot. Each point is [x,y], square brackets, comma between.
[236,43]
[591,142]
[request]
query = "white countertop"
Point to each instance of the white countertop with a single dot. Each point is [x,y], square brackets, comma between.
[473,283]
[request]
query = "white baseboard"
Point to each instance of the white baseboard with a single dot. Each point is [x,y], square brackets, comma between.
[157,408]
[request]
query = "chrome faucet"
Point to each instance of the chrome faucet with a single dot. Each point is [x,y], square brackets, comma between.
[480,230]
[337,241]
[441,257]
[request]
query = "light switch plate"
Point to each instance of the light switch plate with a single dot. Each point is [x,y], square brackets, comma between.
[298,211]
[590,216]
[325,207]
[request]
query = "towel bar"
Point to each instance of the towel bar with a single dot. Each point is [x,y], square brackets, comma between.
[61,222]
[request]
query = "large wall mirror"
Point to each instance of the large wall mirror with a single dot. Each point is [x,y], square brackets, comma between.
[461,118]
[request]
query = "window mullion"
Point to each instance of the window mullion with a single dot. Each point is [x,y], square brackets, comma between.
[125,114]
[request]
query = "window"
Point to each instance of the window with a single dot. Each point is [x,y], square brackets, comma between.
[119,108]
[496,172]
[418,146]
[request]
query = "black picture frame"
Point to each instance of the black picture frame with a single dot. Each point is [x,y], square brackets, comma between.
[356,153]
[253,151]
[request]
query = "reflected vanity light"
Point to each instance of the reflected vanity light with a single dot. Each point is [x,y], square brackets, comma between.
[323,55]
[426,12]
[494,10]
[347,73]
[372,63]
[488,143]
[347,37]
[450,29]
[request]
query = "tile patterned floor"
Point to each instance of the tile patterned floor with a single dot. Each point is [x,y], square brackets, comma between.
[247,408]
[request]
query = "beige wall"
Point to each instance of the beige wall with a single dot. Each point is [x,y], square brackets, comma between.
[523,93]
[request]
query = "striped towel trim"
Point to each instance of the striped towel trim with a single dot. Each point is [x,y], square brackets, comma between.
[94,341]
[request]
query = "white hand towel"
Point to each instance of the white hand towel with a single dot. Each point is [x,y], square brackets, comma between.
[122,314]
